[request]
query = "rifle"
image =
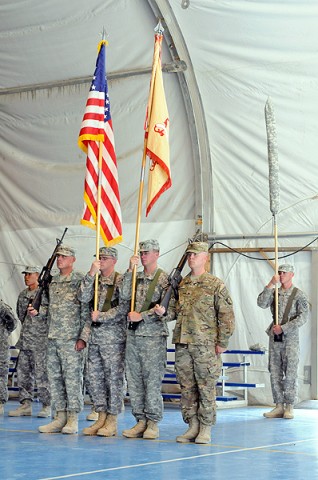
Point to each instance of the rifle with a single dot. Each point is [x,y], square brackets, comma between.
[175,276]
[45,276]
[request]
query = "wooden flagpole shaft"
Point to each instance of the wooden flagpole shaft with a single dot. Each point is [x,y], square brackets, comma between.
[142,175]
[276,270]
[99,189]
[138,220]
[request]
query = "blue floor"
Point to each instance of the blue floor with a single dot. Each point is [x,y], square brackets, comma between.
[244,445]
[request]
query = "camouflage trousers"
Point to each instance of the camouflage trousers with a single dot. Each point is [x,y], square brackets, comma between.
[105,369]
[283,367]
[65,371]
[4,364]
[145,369]
[197,371]
[31,370]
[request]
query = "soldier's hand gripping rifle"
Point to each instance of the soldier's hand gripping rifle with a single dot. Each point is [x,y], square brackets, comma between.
[175,276]
[45,276]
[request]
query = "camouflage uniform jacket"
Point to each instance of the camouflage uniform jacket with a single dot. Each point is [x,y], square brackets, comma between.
[34,329]
[298,314]
[113,322]
[150,325]
[8,323]
[66,314]
[204,311]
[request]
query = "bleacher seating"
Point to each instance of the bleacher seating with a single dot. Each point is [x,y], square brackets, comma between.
[230,393]
[234,392]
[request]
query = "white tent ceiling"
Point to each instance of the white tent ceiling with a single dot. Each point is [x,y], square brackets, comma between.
[222,59]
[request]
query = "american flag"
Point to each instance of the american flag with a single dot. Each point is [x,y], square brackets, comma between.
[97,133]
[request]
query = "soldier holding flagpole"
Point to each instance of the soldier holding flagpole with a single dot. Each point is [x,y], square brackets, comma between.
[146,344]
[289,305]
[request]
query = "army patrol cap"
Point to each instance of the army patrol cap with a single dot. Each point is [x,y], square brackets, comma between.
[31,269]
[66,251]
[198,247]
[108,252]
[149,245]
[286,268]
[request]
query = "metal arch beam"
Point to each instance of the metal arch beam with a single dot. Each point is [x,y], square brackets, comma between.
[174,67]
[204,202]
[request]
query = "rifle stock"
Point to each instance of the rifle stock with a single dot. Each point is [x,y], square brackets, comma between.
[45,276]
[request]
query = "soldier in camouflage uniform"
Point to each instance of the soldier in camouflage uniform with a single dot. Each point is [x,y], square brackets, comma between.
[293,312]
[146,346]
[205,323]
[8,323]
[67,317]
[32,359]
[105,331]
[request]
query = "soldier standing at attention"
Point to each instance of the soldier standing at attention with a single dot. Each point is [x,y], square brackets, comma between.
[105,332]
[205,323]
[146,347]
[31,367]
[66,317]
[293,312]
[8,323]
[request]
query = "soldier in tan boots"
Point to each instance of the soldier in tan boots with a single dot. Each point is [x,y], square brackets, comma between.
[67,316]
[105,334]
[293,312]
[205,323]
[146,347]
[32,344]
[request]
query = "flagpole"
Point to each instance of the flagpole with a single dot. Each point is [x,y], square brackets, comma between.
[158,31]
[99,189]
[99,195]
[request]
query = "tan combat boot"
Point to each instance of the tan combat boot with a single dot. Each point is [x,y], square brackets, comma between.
[56,426]
[93,429]
[192,432]
[1,409]
[152,430]
[277,412]
[204,434]
[71,426]
[289,412]
[92,416]
[44,412]
[24,410]
[136,431]
[109,429]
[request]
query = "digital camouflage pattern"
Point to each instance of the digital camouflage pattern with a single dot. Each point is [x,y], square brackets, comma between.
[106,344]
[284,356]
[67,316]
[146,348]
[32,343]
[145,369]
[113,323]
[205,319]
[8,324]
[151,324]
[106,365]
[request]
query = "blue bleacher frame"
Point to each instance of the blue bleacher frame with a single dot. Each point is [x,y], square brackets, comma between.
[226,386]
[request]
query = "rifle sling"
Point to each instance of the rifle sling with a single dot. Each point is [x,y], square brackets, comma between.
[147,303]
[110,290]
[289,305]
